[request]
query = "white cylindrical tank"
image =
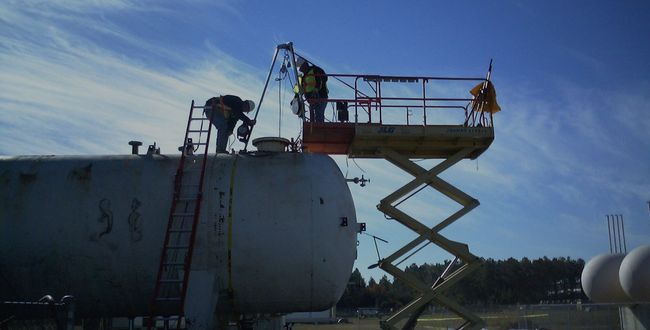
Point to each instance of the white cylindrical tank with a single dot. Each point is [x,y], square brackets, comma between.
[93,227]
[600,280]
[635,274]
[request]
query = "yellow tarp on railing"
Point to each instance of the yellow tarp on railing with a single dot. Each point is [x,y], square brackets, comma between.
[489,103]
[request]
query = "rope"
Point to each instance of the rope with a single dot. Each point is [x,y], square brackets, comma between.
[280,101]
[413,253]
[231,143]
[282,75]
[355,163]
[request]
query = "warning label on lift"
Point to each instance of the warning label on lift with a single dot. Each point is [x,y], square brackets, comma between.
[386,130]
[453,130]
[467,130]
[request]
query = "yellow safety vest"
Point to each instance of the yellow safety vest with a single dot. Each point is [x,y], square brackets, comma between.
[296,89]
[309,83]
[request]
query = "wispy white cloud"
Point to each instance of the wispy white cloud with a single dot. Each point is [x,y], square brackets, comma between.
[589,61]
[77,6]
[66,89]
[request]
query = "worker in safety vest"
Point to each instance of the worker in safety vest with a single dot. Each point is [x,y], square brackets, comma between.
[224,112]
[314,84]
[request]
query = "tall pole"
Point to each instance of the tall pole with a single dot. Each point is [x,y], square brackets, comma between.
[266,84]
[619,227]
[301,91]
[609,232]
[623,230]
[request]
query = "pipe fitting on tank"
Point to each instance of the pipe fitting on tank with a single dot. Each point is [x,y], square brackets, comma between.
[134,146]
[153,150]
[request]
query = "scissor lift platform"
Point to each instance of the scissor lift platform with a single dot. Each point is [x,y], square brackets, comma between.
[413,141]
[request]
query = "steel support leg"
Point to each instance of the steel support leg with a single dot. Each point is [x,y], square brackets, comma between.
[468,261]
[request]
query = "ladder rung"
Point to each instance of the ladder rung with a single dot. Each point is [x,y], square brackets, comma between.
[197,131]
[180,230]
[199,118]
[199,144]
[170,318]
[171,281]
[168,299]
[177,247]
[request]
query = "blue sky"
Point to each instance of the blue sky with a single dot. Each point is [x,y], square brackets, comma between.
[572,142]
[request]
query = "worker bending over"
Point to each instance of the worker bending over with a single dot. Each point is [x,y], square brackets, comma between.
[314,84]
[224,112]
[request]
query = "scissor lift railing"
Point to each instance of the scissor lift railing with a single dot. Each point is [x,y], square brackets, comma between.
[373,116]
[363,101]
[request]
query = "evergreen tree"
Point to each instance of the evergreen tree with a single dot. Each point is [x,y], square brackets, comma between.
[496,282]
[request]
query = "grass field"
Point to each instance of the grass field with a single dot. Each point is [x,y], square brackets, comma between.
[534,317]
[569,318]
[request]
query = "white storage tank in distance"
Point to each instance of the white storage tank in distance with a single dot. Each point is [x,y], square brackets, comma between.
[635,274]
[600,280]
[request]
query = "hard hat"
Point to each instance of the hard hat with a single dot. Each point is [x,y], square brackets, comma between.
[251,105]
[300,61]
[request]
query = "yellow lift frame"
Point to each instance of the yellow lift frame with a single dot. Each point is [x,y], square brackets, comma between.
[429,293]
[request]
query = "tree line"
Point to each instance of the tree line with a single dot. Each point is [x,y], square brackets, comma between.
[495,282]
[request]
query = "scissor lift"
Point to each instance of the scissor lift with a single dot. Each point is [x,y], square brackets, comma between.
[400,144]
[404,143]
[368,134]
